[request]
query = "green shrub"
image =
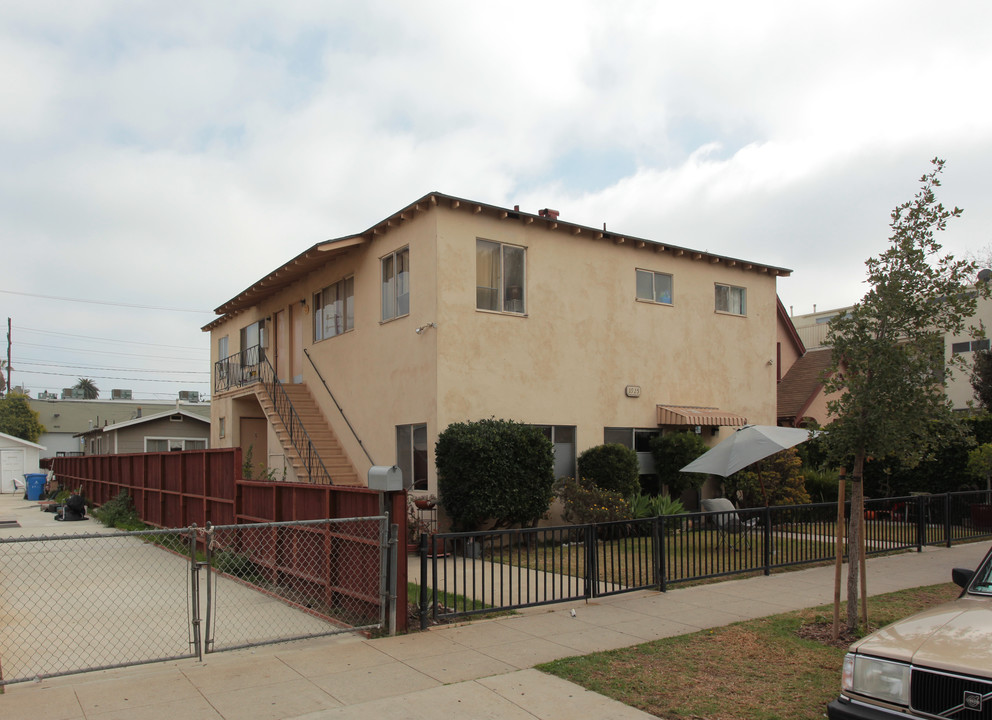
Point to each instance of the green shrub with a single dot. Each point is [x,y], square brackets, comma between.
[497,470]
[585,502]
[611,467]
[650,506]
[673,451]
[822,484]
[119,512]
[778,479]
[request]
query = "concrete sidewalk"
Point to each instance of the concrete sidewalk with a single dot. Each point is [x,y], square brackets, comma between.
[481,669]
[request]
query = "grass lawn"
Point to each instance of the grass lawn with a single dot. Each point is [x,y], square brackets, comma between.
[754,670]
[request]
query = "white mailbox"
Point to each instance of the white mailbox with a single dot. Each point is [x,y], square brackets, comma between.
[385,478]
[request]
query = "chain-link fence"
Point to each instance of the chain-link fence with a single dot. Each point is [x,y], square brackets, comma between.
[73,603]
[93,601]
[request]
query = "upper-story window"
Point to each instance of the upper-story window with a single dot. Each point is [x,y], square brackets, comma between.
[969,346]
[654,287]
[731,299]
[500,277]
[334,309]
[396,284]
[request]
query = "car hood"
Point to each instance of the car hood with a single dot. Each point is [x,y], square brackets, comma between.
[955,636]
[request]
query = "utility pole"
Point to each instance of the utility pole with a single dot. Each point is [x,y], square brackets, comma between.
[8,356]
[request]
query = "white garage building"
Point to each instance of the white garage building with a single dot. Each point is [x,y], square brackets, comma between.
[17,457]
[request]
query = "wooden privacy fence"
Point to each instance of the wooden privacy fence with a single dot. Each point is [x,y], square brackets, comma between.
[180,489]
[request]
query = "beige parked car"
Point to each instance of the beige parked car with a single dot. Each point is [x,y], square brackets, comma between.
[935,664]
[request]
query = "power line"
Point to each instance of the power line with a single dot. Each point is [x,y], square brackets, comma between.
[109,352]
[107,377]
[90,337]
[31,362]
[104,302]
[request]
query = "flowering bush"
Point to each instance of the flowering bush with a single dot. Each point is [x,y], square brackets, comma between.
[583,502]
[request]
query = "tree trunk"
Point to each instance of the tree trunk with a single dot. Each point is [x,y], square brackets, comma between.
[854,540]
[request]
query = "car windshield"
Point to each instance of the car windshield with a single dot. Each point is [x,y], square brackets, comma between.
[982,582]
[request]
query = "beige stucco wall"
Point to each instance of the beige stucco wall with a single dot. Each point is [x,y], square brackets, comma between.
[567,362]
[586,337]
[959,389]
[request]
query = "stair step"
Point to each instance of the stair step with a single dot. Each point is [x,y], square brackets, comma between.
[325,442]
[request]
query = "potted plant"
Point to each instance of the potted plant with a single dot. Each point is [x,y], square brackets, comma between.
[427,502]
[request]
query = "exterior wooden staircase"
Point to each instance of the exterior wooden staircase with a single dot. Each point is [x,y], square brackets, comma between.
[325,441]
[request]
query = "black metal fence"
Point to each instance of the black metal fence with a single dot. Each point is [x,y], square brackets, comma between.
[482,572]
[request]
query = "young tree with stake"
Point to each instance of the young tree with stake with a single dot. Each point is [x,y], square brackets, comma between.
[888,361]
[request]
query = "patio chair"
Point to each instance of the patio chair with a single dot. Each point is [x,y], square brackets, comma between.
[730,527]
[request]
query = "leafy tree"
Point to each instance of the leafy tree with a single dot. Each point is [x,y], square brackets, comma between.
[781,475]
[611,467]
[981,378]
[18,419]
[884,375]
[497,470]
[672,451]
[89,388]
[980,464]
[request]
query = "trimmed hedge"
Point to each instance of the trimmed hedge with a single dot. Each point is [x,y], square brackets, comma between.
[497,470]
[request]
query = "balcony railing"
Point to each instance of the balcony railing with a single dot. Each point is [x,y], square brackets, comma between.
[238,370]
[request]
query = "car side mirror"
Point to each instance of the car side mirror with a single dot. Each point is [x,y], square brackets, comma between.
[962,577]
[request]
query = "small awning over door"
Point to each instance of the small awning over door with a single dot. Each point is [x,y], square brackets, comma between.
[690,415]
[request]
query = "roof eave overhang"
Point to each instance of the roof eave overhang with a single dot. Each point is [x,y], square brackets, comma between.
[317,255]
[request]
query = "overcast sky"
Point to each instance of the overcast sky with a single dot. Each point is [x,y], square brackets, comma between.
[167,155]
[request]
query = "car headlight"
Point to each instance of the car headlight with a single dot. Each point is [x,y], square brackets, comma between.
[880,679]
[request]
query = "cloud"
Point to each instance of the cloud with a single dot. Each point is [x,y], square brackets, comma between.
[173,154]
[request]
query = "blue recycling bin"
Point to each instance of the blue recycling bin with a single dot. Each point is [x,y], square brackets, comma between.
[35,485]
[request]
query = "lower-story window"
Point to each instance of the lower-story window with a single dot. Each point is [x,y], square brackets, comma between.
[562,439]
[639,440]
[174,444]
[411,454]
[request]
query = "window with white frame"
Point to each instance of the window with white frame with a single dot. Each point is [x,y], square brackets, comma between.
[334,309]
[969,346]
[396,284]
[500,277]
[731,299]
[174,444]
[654,287]
[411,454]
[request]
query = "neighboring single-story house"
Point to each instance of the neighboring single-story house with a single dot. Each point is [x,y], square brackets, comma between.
[65,420]
[171,430]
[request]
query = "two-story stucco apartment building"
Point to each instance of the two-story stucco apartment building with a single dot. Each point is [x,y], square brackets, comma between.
[452,310]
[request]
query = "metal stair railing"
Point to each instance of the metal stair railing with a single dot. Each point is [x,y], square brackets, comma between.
[338,406]
[298,434]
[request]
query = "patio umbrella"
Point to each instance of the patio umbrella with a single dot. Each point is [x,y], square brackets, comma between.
[746,446]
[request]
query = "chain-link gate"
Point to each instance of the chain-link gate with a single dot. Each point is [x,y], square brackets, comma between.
[273,582]
[74,603]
